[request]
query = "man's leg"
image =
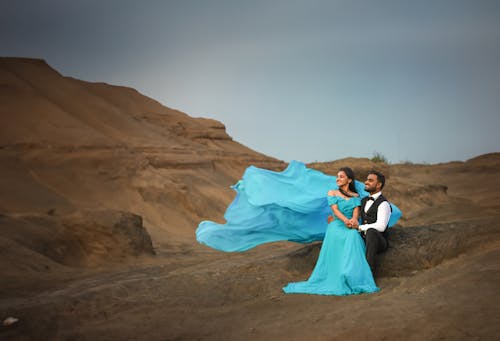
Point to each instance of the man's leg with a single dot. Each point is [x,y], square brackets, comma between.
[375,243]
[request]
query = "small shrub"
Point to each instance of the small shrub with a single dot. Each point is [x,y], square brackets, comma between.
[378,157]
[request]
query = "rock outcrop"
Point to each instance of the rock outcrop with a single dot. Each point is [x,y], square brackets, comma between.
[412,249]
[80,239]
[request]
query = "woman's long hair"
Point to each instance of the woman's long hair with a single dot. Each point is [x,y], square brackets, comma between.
[350,175]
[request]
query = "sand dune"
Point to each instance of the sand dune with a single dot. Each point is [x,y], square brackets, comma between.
[102,189]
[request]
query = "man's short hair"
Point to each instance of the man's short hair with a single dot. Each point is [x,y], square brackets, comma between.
[380,177]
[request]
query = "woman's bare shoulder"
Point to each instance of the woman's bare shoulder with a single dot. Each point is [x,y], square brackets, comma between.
[333,193]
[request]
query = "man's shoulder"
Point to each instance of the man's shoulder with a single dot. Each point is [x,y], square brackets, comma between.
[381,198]
[384,202]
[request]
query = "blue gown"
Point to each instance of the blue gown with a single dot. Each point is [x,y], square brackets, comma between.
[341,268]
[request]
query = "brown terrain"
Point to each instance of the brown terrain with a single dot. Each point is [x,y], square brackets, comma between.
[102,189]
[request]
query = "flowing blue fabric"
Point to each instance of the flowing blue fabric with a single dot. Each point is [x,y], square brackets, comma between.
[341,268]
[276,206]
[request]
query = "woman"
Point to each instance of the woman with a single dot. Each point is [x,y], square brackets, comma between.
[341,268]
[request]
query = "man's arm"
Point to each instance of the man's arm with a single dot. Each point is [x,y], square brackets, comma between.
[383,215]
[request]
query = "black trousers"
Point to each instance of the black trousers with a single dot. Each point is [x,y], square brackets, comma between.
[375,244]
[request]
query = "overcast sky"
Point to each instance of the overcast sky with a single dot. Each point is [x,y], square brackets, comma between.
[416,81]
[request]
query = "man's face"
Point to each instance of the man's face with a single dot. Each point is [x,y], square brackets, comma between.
[371,184]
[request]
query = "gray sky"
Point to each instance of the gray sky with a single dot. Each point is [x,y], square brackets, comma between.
[309,80]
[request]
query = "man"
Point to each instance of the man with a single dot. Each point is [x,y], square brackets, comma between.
[375,214]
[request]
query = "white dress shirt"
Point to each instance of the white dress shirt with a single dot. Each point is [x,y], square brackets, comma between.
[383,214]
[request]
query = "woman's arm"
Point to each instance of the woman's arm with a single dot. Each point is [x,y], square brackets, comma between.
[339,214]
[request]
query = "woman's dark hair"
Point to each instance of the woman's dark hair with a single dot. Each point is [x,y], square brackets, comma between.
[350,175]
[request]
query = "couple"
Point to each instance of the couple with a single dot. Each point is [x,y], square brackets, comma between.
[292,205]
[342,267]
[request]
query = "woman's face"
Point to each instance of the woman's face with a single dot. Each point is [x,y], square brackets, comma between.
[342,179]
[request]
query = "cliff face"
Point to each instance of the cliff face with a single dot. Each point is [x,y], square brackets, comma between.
[68,145]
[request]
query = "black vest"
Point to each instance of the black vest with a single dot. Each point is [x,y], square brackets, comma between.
[370,216]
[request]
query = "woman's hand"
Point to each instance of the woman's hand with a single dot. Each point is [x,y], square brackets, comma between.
[353,223]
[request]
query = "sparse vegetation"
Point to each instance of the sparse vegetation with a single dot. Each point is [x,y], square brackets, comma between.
[378,157]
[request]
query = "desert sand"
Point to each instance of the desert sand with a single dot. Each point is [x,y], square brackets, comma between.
[102,189]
